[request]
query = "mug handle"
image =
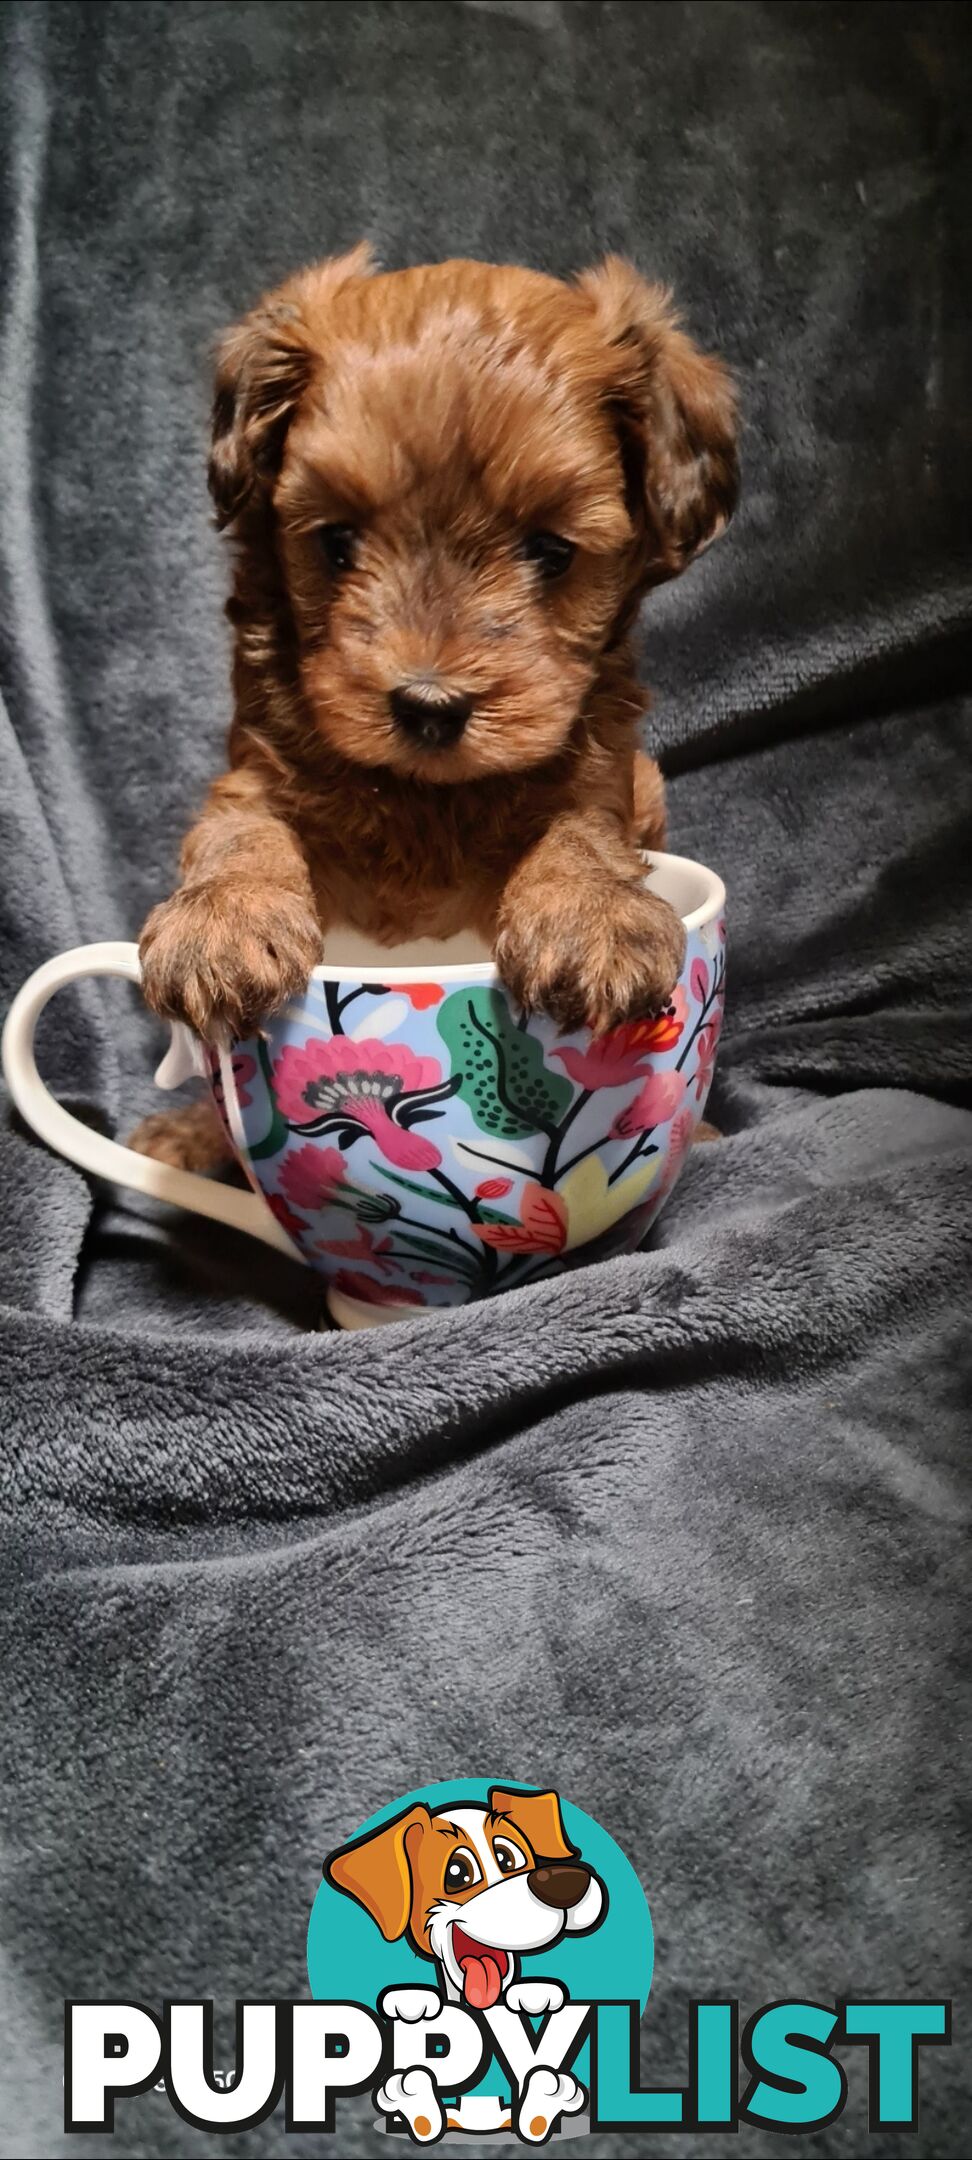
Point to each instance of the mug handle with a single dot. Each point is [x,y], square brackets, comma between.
[108,1159]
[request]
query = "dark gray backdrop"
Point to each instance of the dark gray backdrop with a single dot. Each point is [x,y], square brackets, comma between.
[685,1535]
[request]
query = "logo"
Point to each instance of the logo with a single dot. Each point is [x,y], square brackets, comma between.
[482,1921]
[480,1958]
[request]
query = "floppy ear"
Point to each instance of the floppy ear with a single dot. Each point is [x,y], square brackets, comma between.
[375,1870]
[538,1815]
[677,410]
[263,366]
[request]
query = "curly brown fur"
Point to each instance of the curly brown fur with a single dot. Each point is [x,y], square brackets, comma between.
[436,709]
[190,1138]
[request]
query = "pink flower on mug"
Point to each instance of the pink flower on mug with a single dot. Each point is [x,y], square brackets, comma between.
[293,1224]
[362,1246]
[244,1070]
[706,1046]
[613,1059]
[679,1142]
[654,1104]
[357,1285]
[311,1175]
[351,1088]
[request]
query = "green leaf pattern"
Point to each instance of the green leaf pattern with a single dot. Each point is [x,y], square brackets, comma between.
[505,1082]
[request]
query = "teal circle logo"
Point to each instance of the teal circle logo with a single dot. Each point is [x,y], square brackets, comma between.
[486,1861]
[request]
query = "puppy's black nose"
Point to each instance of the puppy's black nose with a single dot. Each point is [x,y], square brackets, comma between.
[560,1883]
[432,718]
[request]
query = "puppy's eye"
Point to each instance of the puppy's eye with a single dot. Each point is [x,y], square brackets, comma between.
[508,1857]
[462,1871]
[338,545]
[549,553]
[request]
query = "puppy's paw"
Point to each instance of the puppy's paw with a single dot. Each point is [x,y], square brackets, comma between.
[536,1997]
[593,958]
[411,2004]
[221,955]
[412,2093]
[546,2096]
[191,1138]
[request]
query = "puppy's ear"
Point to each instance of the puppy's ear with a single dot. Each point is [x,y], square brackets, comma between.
[677,411]
[263,366]
[538,1815]
[376,1870]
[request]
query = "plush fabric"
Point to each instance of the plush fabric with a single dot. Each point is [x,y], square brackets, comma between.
[686,1535]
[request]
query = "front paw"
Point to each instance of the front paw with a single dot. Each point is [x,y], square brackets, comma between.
[546,2096]
[411,2004]
[221,956]
[536,1997]
[593,958]
[412,2094]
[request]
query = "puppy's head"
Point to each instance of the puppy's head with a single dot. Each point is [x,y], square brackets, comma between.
[467,476]
[473,1887]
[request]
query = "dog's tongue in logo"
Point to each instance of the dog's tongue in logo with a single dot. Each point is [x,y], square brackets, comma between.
[483,1969]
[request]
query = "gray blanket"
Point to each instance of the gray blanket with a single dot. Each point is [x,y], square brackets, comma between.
[684,1535]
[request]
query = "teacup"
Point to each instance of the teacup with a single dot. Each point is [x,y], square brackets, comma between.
[407,1130]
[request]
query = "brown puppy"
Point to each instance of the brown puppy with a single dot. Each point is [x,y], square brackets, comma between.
[448,488]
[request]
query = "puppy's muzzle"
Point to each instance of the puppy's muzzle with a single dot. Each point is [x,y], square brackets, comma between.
[428,715]
[561,1885]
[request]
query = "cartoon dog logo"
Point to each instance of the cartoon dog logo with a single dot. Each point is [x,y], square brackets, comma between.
[475,1889]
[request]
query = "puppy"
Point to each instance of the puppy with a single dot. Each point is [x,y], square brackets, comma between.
[474,1889]
[448,488]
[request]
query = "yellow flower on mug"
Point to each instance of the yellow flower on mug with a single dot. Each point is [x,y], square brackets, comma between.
[582,1208]
[593,1205]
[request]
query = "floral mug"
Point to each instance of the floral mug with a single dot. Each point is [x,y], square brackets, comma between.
[407,1130]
